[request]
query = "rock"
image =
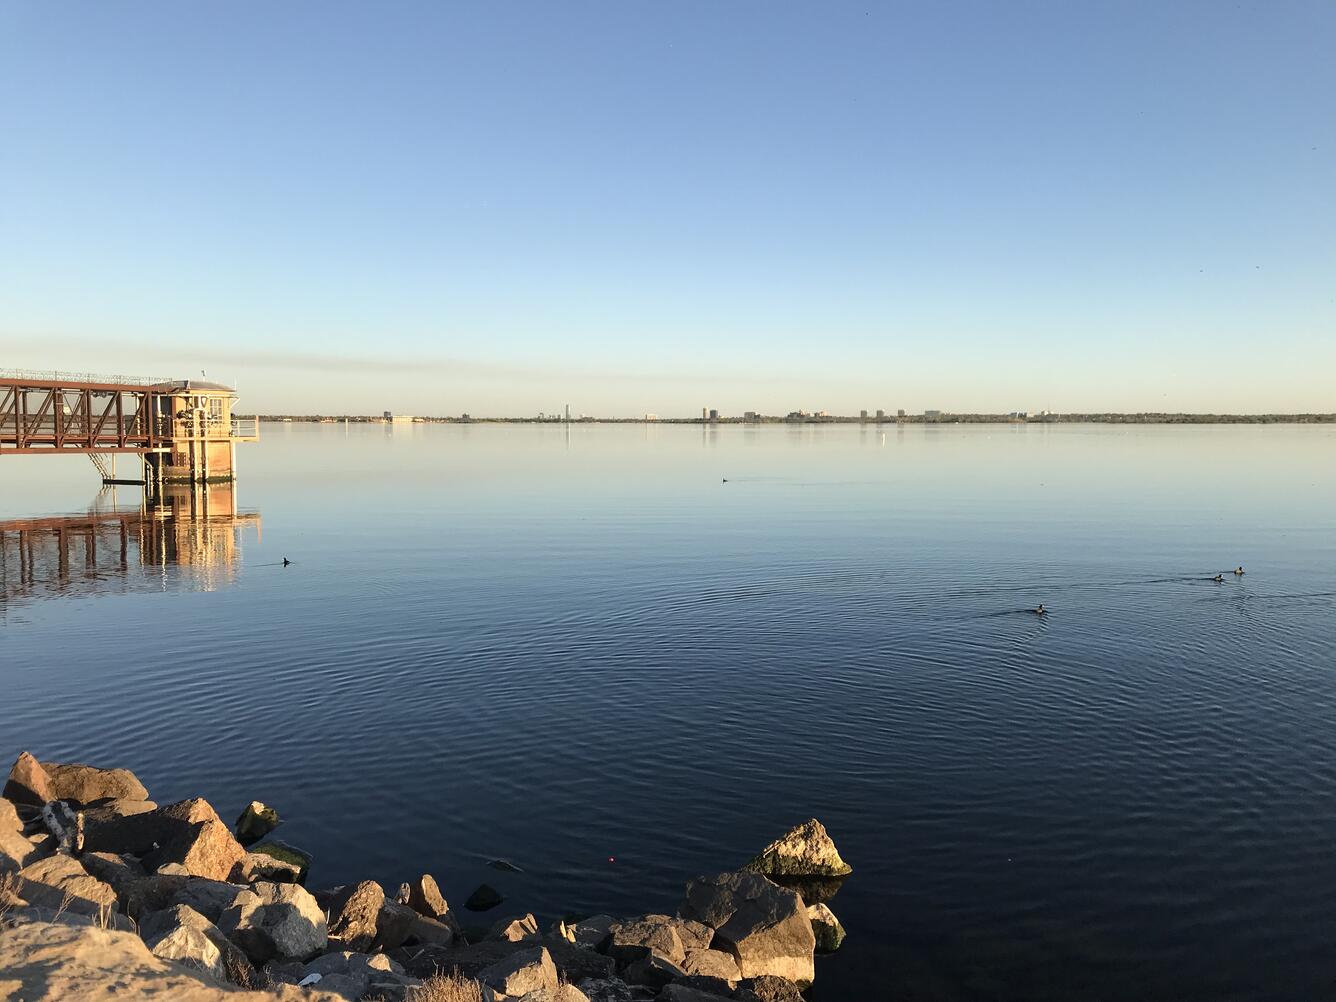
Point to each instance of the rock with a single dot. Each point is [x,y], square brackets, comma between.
[396,990]
[526,970]
[516,930]
[429,931]
[578,963]
[712,964]
[484,898]
[348,962]
[813,890]
[805,851]
[59,963]
[63,916]
[353,915]
[683,993]
[767,988]
[9,818]
[424,897]
[61,882]
[188,833]
[635,939]
[393,925]
[287,924]
[653,969]
[261,866]
[28,782]
[110,810]
[285,853]
[614,990]
[121,872]
[85,784]
[255,822]
[593,931]
[16,852]
[826,927]
[184,935]
[764,926]
[213,897]
[562,993]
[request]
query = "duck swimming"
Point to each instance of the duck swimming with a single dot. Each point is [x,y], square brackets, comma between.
[1219,579]
[1238,572]
[286,561]
[1041,611]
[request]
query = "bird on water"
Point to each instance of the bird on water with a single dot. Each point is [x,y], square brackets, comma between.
[286,561]
[1041,611]
[1238,571]
[1219,579]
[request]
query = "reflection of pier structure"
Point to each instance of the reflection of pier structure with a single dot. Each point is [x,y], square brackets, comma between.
[183,429]
[195,529]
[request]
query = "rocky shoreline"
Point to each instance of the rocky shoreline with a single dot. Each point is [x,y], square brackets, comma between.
[105,894]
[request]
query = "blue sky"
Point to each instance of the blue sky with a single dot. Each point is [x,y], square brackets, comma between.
[503,207]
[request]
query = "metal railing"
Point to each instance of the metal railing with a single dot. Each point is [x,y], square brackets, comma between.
[56,376]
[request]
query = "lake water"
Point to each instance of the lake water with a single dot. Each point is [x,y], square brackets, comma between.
[581,650]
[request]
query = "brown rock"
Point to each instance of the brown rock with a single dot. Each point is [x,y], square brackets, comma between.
[516,930]
[61,882]
[712,964]
[393,923]
[9,817]
[188,833]
[526,970]
[184,935]
[804,851]
[764,926]
[28,782]
[84,784]
[16,852]
[767,988]
[354,913]
[424,897]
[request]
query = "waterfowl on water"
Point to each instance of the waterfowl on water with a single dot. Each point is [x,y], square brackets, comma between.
[1219,579]
[286,561]
[1238,572]
[1040,611]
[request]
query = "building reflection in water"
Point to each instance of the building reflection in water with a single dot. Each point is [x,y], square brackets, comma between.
[190,537]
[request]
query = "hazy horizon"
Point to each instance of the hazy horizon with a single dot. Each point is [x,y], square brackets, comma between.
[503,209]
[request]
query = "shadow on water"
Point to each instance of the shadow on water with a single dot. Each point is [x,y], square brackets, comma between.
[188,539]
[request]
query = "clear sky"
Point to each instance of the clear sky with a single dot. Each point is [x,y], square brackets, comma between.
[629,206]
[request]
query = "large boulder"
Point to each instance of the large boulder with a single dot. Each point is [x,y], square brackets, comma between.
[9,817]
[182,934]
[110,810]
[393,924]
[85,784]
[516,930]
[255,822]
[592,932]
[61,882]
[764,926]
[286,924]
[767,988]
[483,898]
[526,970]
[563,992]
[213,897]
[262,866]
[424,897]
[188,833]
[28,782]
[826,927]
[804,851]
[64,963]
[353,915]
[614,990]
[714,964]
[16,852]
[298,859]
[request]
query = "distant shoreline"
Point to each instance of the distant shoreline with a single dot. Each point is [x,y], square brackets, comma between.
[915,419]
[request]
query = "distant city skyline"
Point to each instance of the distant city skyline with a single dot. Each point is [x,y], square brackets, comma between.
[440,209]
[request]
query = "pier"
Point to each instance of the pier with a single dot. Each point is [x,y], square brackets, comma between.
[182,430]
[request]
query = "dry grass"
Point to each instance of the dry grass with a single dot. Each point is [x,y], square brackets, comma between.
[239,972]
[446,988]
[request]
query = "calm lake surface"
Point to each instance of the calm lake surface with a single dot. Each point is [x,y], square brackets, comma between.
[582,651]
